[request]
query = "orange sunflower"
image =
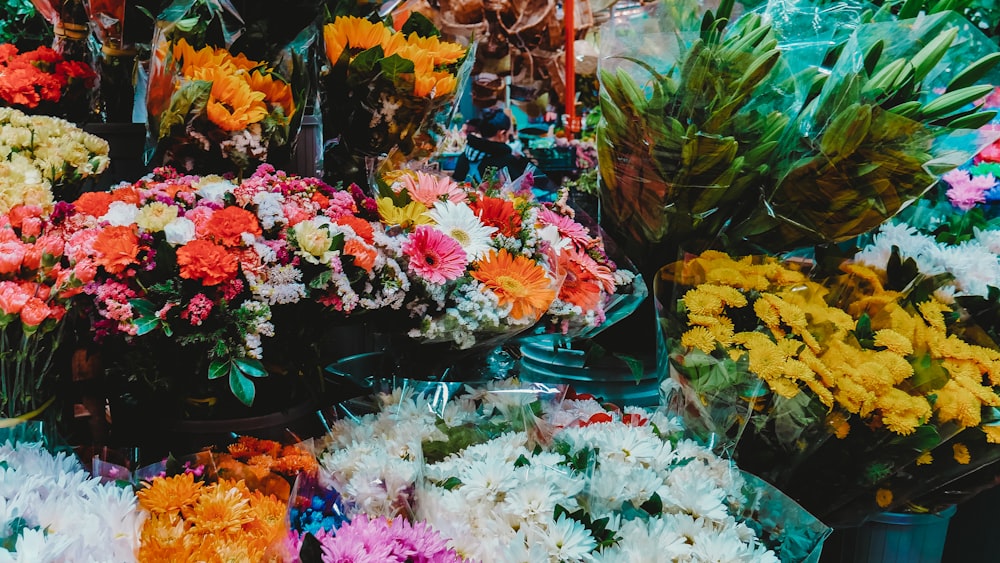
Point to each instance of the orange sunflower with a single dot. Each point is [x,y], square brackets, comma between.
[193,60]
[277,93]
[443,52]
[233,104]
[170,494]
[355,34]
[516,280]
[434,84]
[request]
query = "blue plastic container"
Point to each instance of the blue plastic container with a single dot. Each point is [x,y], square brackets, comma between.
[897,537]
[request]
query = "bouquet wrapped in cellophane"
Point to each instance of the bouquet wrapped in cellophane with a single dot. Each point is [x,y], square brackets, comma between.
[732,129]
[210,109]
[383,86]
[507,471]
[829,387]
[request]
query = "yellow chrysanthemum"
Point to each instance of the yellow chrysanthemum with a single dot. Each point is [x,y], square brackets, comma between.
[925,458]
[408,216]
[170,494]
[902,413]
[893,341]
[883,498]
[957,404]
[699,337]
[228,548]
[353,33]
[767,312]
[992,434]
[961,453]
[933,312]
[232,104]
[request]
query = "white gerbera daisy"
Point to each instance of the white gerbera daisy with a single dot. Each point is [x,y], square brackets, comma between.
[459,222]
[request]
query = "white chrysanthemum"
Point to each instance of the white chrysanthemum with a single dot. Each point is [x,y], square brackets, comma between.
[692,493]
[989,238]
[568,540]
[458,221]
[652,541]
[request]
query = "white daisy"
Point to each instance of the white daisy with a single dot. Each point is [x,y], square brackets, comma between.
[568,540]
[459,222]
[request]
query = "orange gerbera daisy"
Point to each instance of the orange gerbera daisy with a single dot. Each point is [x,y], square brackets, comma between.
[434,84]
[353,33]
[581,287]
[516,280]
[170,494]
[443,52]
[233,104]
[220,508]
[278,93]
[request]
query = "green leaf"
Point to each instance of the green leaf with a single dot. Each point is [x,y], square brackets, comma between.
[634,364]
[321,280]
[654,505]
[241,387]
[451,483]
[366,60]
[145,325]
[521,461]
[187,24]
[144,307]
[190,98]
[250,366]
[337,242]
[395,65]
[421,25]
[218,368]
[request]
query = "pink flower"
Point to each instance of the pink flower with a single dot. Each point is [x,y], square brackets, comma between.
[295,213]
[434,255]
[11,256]
[80,245]
[568,228]
[197,309]
[12,297]
[85,270]
[200,216]
[429,189]
[967,191]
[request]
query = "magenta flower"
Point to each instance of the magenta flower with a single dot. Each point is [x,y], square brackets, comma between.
[384,541]
[434,255]
[967,191]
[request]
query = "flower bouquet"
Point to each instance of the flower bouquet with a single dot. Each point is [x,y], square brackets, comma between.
[43,82]
[54,511]
[117,59]
[192,277]
[745,135]
[507,473]
[210,109]
[825,387]
[42,157]
[383,86]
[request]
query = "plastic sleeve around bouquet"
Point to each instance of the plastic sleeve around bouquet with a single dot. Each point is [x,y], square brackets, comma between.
[117,60]
[867,145]
[689,120]
[792,532]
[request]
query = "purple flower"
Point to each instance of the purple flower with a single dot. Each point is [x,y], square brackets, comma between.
[384,540]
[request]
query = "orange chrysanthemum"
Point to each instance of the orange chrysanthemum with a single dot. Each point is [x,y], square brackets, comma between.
[270,518]
[116,248]
[220,508]
[170,494]
[164,538]
[354,34]
[227,549]
[232,104]
[518,281]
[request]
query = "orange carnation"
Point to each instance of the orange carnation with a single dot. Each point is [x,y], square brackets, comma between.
[360,227]
[206,261]
[127,194]
[228,225]
[116,248]
[93,203]
[364,255]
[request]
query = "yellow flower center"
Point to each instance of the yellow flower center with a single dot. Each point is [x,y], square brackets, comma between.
[511,286]
[461,236]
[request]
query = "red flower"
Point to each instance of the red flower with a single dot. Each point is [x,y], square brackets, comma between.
[499,213]
[228,225]
[116,248]
[206,261]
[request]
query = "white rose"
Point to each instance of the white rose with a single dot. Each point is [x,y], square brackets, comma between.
[120,214]
[179,231]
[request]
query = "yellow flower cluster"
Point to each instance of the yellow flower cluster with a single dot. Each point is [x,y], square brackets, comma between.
[243,93]
[428,54]
[39,154]
[224,521]
[804,340]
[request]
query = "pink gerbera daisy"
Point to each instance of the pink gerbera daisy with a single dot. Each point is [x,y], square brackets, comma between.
[434,255]
[568,228]
[429,189]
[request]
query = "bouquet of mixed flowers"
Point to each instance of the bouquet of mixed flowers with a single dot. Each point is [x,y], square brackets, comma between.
[40,155]
[507,473]
[746,133]
[43,82]
[216,267]
[53,510]
[207,106]
[383,86]
[488,261]
[825,387]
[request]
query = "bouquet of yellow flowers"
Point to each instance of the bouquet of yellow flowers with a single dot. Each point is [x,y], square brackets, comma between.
[207,106]
[382,87]
[827,387]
